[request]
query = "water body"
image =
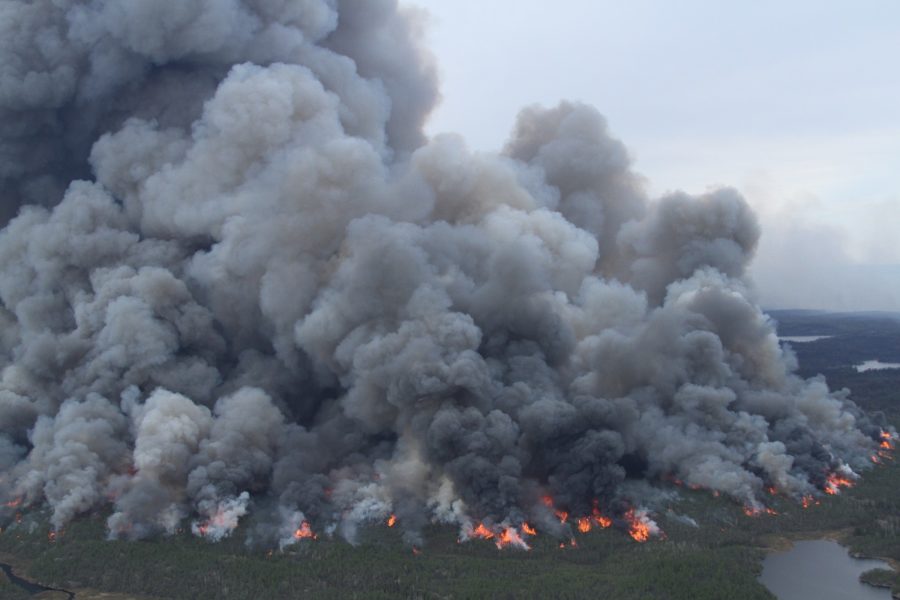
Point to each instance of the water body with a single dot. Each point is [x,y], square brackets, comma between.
[873,365]
[820,570]
[803,339]
[30,587]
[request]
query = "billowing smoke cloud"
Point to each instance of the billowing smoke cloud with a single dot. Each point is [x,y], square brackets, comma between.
[238,279]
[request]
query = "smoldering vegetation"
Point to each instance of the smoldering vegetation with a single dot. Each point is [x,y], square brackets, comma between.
[237,278]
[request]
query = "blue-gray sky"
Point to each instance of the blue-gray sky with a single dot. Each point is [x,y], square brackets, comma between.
[796,104]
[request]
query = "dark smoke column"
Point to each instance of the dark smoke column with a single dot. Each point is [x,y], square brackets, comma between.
[238,278]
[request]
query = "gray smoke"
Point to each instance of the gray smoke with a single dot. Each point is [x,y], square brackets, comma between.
[237,277]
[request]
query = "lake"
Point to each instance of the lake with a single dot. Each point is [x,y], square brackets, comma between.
[820,569]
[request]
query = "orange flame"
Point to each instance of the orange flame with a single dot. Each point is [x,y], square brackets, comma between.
[835,482]
[392,520]
[510,537]
[528,529]
[771,489]
[305,532]
[482,532]
[51,536]
[584,524]
[13,503]
[416,551]
[599,519]
[807,501]
[562,515]
[638,529]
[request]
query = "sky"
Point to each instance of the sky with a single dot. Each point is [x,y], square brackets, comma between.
[796,104]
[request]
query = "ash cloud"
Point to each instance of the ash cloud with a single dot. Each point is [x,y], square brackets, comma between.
[237,278]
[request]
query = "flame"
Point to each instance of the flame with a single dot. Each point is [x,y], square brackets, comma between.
[305,532]
[599,519]
[51,536]
[771,489]
[640,527]
[886,443]
[562,515]
[807,501]
[584,524]
[510,537]
[875,459]
[751,511]
[482,532]
[13,503]
[528,529]
[835,482]
[392,520]
[416,551]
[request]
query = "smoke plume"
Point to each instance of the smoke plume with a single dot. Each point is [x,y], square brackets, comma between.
[236,278]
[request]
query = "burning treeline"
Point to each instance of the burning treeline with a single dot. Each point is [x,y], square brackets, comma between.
[237,282]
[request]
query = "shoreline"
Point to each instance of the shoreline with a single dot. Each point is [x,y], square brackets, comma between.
[784,542]
[18,567]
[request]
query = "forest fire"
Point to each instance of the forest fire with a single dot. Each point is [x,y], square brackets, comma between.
[528,529]
[640,526]
[305,532]
[584,524]
[835,482]
[482,532]
[510,537]
[601,520]
[807,501]
[13,503]
[754,511]
[392,520]
[562,515]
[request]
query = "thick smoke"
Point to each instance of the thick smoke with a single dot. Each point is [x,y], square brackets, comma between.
[238,278]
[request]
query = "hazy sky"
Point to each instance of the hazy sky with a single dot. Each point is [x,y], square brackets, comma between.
[797,104]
